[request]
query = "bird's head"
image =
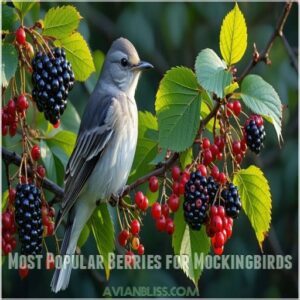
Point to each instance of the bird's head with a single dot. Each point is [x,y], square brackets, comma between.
[122,66]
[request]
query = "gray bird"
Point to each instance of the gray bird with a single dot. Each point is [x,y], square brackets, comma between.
[102,158]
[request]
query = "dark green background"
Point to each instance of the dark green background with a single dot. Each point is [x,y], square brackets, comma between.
[172,34]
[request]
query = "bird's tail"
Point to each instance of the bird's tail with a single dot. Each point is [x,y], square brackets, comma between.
[76,220]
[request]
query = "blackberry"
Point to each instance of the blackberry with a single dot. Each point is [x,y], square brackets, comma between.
[29,218]
[254,132]
[196,200]
[212,188]
[52,79]
[232,200]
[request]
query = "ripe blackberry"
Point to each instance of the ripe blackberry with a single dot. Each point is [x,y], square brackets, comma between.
[29,218]
[52,79]
[196,198]
[212,188]
[254,132]
[232,200]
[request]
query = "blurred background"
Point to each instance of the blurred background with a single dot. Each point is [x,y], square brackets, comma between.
[172,34]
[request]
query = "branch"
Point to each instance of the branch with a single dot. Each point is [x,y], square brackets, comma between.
[264,55]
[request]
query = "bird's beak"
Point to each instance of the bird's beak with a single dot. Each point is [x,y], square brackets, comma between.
[142,65]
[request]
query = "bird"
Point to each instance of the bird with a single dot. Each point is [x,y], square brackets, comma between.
[100,163]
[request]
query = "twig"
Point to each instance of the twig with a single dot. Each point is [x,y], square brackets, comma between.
[264,55]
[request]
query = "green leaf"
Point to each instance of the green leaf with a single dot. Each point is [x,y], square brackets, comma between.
[205,110]
[146,149]
[233,36]
[152,197]
[186,158]
[262,99]
[48,160]
[70,120]
[103,231]
[78,54]
[211,73]
[64,140]
[190,243]
[9,63]
[177,107]
[8,17]
[23,7]
[231,88]
[84,235]
[4,200]
[256,200]
[61,21]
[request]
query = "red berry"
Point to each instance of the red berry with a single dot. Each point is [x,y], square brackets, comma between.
[230,221]
[11,107]
[145,204]
[236,107]
[221,211]
[185,177]
[23,271]
[229,231]
[175,173]
[7,236]
[165,210]
[209,231]
[170,226]
[202,169]
[41,171]
[4,118]
[12,195]
[36,152]
[215,172]
[153,184]
[216,223]
[222,178]
[57,124]
[238,158]
[50,264]
[123,237]
[243,145]
[141,249]
[51,212]
[219,251]
[135,227]
[7,220]
[139,199]
[50,228]
[236,147]
[161,223]
[4,130]
[181,188]
[205,143]
[13,243]
[175,187]
[129,258]
[156,210]
[7,249]
[219,156]
[22,103]
[173,202]
[219,240]
[229,109]
[214,149]
[21,36]
[207,157]
[13,129]
[213,211]
[225,235]
[219,141]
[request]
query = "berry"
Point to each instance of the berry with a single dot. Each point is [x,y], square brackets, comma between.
[36,152]
[222,178]
[135,243]
[169,226]
[165,210]
[219,141]
[236,147]
[52,79]
[207,157]
[161,223]
[219,240]
[219,156]
[141,249]
[236,107]
[57,124]
[254,133]
[11,107]
[12,195]
[123,237]
[205,143]
[153,184]
[50,229]
[202,170]
[175,173]
[23,271]
[219,251]
[173,202]
[129,258]
[214,149]
[156,210]
[22,103]
[229,109]
[232,200]
[145,204]
[135,227]
[175,188]
[221,212]
[215,172]
[41,171]
[139,199]
[216,223]
[28,218]
[229,231]
[21,36]
[213,211]
[7,220]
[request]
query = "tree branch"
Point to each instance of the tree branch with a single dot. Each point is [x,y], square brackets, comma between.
[264,55]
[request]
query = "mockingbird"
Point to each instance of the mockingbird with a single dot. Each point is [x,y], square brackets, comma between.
[102,158]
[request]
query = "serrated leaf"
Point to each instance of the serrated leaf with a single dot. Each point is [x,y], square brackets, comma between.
[146,149]
[78,54]
[233,36]
[23,7]
[9,63]
[256,200]
[261,98]
[190,243]
[103,230]
[84,235]
[8,17]
[186,158]
[177,107]
[231,88]
[211,73]
[60,22]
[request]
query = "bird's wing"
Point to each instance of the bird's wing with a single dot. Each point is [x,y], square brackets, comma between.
[96,130]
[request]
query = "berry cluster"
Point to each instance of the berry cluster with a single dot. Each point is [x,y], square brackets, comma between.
[254,133]
[239,150]
[52,79]
[232,200]
[10,114]
[48,214]
[9,242]
[234,107]
[214,151]
[28,218]
[218,228]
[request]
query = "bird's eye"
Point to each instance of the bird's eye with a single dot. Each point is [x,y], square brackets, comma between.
[124,62]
